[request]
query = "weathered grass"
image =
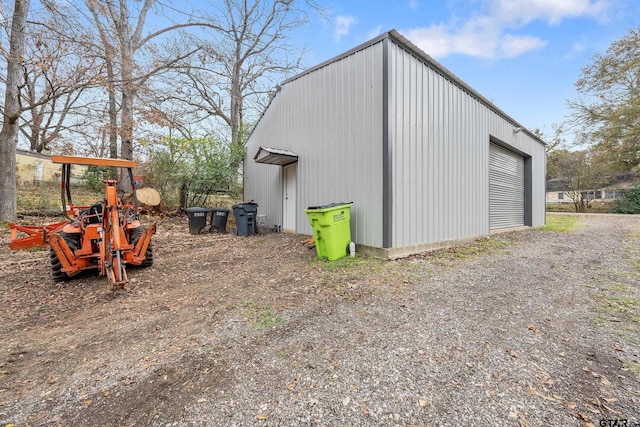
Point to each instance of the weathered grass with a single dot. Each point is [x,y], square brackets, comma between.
[594,207]
[561,223]
[632,366]
[260,317]
[348,263]
[45,196]
[477,247]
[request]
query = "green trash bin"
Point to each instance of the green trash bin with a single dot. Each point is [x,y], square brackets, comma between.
[331,229]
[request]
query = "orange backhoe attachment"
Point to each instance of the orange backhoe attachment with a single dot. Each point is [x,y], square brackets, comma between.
[36,235]
[106,236]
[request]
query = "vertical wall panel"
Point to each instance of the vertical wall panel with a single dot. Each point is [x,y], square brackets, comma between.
[441,155]
[332,118]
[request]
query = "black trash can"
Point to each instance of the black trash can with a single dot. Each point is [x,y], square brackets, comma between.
[245,214]
[219,220]
[197,219]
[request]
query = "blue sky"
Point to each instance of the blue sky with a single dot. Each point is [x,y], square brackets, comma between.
[524,55]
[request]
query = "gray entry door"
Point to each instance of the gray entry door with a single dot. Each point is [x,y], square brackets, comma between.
[506,188]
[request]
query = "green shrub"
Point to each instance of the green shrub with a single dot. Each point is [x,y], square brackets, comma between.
[94,176]
[629,203]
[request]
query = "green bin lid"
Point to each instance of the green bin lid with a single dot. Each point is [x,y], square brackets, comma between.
[329,206]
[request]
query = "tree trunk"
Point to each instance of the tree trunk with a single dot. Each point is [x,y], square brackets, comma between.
[126,129]
[184,192]
[9,131]
[113,111]
[235,114]
[128,95]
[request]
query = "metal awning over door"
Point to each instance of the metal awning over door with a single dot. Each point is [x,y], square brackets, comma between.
[506,188]
[275,156]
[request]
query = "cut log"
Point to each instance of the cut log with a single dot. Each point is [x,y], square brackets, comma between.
[148,196]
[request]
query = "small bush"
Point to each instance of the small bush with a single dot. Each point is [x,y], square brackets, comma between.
[94,176]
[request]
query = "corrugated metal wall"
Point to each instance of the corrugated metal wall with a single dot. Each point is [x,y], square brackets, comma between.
[439,136]
[331,118]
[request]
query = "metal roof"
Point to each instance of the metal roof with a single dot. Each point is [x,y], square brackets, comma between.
[402,41]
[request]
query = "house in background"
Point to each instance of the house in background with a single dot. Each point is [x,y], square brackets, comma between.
[426,160]
[559,192]
[37,167]
[34,167]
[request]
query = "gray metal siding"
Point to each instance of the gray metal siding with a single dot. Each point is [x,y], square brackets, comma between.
[436,141]
[439,137]
[331,118]
[506,188]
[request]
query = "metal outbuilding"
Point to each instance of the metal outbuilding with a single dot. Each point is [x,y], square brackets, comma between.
[426,160]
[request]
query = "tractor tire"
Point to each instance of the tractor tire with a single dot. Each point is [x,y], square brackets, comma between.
[135,235]
[73,241]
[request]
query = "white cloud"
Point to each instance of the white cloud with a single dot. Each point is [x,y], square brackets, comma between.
[577,49]
[491,34]
[438,41]
[512,46]
[551,11]
[343,25]
[413,4]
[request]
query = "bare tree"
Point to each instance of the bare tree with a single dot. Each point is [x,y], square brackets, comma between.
[556,140]
[56,73]
[245,52]
[580,172]
[11,112]
[115,23]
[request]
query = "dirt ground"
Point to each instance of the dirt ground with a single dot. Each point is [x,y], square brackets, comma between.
[524,329]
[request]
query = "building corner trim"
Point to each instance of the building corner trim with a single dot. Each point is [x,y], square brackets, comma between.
[387,196]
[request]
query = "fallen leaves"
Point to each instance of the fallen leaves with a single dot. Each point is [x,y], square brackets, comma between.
[51,379]
[599,404]
[591,408]
[293,383]
[581,417]
[532,391]
[533,328]
[602,378]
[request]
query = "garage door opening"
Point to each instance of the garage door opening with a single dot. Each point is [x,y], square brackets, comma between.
[506,188]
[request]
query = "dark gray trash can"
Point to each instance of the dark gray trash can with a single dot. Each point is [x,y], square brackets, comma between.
[219,220]
[245,214]
[197,219]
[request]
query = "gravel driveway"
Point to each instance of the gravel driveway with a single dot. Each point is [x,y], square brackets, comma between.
[528,328]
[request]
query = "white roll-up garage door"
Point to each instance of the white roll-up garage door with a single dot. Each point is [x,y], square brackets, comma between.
[506,188]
